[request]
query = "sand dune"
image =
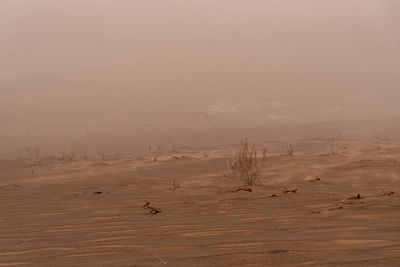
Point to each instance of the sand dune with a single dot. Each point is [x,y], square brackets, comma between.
[82,213]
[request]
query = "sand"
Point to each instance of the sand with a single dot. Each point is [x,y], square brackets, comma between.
[90,212]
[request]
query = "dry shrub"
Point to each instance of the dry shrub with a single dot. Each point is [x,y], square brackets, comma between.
[161,148]
[84,155]
[35,156]
[68,154]
[116,152]
[333,144]
[264,151]
[290,150]
[245,163]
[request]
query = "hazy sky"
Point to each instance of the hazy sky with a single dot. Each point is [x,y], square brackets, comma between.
[198,62]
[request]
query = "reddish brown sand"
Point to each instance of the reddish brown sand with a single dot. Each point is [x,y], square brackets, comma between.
[90,213]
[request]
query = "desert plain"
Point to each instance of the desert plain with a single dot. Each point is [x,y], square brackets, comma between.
[317,207]
[122,122]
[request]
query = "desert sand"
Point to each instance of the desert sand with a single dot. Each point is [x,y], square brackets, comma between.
[120,122]
[314,208]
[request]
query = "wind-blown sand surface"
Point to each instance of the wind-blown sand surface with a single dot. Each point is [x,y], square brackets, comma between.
[90,213]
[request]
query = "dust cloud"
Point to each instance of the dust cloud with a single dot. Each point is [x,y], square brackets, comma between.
[199,132]
[172,62]
[196,64]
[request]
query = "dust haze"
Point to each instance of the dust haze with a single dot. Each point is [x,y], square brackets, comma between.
[197,63]
[199,133]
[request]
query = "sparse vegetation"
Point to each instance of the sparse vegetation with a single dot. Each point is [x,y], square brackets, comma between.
[153,210]
[286,190]
[333,148]
[290,150]
[84,155]
[102,155]
[158,151]
[175,185]
[241,188]
[68,154]
[245,163]
[264,151]
[116,152]
[34,157]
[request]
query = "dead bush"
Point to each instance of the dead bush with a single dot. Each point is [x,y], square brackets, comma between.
[161,148]
[290,150]
[34,158]
[333,148]
[245,163]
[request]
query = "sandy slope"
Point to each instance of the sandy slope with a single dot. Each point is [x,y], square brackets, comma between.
[54,217]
